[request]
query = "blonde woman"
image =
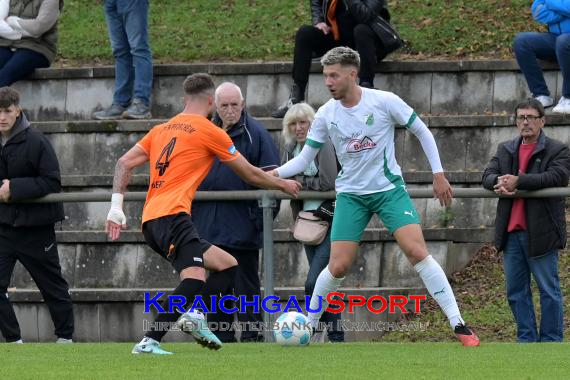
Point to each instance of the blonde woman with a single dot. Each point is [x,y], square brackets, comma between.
[319,176]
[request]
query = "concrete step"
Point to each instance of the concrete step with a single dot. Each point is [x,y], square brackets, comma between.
[117,315]
[466,143]
[454,121]
[89,260]
[451,87]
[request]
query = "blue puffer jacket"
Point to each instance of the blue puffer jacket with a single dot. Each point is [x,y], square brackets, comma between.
[554,13]
[236,225]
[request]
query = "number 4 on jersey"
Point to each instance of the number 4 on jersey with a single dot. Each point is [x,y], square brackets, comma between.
[164,158]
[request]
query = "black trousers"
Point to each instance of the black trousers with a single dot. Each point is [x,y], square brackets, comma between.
[246,284]
[309,40]
[36,249]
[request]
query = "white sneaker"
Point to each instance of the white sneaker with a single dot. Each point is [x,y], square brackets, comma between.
[546,101]
[19,341]
[563,106]
[64,341]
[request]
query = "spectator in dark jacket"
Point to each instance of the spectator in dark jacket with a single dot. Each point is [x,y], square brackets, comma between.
[320,176]
[530,231]
[352,23]
[28,38]
[29,169]
[236,227]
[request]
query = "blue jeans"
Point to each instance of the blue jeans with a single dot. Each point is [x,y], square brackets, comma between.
[531,46]
[318,257]
[127,21]
[518,268]
[18,64]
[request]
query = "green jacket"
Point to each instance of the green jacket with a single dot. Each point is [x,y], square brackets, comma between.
[39,19]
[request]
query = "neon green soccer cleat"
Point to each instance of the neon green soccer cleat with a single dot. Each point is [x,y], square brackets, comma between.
[195,325]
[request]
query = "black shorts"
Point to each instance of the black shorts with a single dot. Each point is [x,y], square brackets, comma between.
[175,238]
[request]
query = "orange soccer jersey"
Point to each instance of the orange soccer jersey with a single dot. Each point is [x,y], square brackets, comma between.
[181,153]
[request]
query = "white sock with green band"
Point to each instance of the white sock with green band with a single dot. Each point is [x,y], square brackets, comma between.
[436,282]
[325,284]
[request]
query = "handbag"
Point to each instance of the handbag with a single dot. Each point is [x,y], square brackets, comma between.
[390,39]
[309,229]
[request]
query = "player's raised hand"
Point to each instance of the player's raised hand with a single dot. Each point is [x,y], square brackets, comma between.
[442,189]
[291,187]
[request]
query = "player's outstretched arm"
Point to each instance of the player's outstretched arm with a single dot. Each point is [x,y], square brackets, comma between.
[298,164]
[258,178]
[116,219]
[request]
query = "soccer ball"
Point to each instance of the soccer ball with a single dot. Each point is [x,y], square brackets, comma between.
[292,329]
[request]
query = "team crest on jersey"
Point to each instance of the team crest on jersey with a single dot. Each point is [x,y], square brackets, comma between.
[232,149]
[369,119]
[358,145]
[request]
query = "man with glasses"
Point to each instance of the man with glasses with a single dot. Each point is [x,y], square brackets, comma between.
[531,230]
[237,226]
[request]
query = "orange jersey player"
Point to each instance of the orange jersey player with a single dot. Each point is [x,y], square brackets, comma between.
[181,153]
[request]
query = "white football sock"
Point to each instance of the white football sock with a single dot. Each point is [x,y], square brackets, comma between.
[325,284]
[438,287]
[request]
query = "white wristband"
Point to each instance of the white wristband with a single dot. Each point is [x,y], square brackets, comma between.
[117,200]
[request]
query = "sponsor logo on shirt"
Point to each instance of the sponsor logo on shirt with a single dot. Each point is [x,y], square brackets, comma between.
[232,149]
[369,119]
[358,145]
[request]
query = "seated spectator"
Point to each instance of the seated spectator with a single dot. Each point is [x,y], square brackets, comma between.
[28,37]
[339,23]
[320,176]
[553,46]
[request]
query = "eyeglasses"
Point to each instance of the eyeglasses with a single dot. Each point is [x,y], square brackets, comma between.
[529,118]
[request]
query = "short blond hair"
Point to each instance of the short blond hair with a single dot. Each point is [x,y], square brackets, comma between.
[342,55]
[299,111]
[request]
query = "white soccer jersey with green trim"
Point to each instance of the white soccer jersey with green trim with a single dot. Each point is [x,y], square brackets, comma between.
[363,137]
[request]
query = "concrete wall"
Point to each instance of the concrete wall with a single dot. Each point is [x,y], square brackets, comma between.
[454,87]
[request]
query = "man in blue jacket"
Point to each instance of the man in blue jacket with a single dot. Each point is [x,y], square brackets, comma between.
[236,226]
[29,169]
[553,46]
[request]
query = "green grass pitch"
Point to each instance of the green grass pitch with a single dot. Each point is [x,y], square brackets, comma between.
[269,361]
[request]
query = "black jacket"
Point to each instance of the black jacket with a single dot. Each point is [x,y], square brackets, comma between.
[236,225]
[29,162]
[549,166]
[362,11]
[350,13]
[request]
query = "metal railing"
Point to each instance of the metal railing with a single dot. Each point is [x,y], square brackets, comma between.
[267,200]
